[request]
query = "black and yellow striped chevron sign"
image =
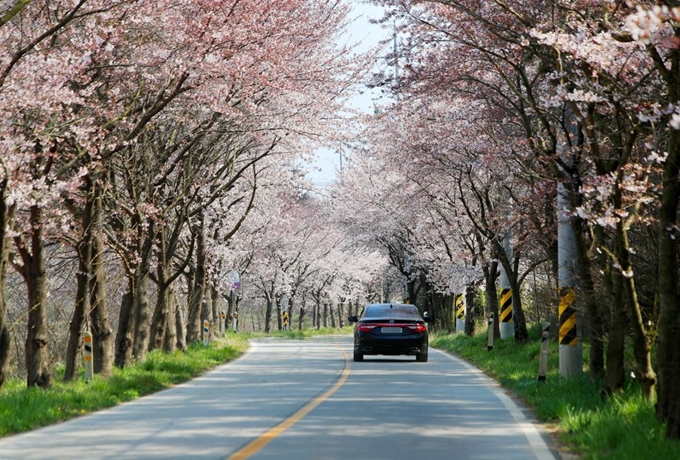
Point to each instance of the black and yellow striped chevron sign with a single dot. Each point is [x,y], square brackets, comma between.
[506,306]
[460,306]
[568,319]
[285,319]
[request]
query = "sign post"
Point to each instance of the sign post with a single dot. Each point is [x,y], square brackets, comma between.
[206,332]
[87,356]
[235,321]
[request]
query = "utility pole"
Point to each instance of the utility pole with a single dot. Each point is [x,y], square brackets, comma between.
[571,352]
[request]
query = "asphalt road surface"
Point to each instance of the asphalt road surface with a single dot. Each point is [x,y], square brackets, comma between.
[288,399]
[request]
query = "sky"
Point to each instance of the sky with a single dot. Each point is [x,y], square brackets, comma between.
[367,36]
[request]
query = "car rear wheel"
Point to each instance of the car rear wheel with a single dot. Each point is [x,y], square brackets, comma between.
[358,356]
[421,357]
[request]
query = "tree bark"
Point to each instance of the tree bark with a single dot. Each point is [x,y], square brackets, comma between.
[490,271]
[615,376]
[79,312]
[668,354]
[197,292]
[180,324]
[125,334]
[33,272]
[594,329]
[170,336]
[302,318]
[163,314]
[5,220]
[141,294]
[269,296]
[102,334]
[642,347]
[471,311]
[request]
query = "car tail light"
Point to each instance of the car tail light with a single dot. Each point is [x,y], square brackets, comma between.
[417,327]
[368,327]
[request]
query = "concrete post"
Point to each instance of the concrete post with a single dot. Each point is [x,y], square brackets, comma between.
[87,356]
[571,353]
[507,326]
[206,332]
[489,331]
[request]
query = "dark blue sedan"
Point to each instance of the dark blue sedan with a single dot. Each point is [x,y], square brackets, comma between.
[390,329]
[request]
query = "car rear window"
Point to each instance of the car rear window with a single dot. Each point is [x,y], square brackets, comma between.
[394,311]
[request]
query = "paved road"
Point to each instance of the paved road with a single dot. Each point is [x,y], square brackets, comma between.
[305,400]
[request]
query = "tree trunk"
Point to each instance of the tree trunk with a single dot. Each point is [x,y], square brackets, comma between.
[33,272]
[196,295]
[140,310]
[325,315]
[79,312]
[126,327]
[340,315]
[642,346]
[163,314]
[668,354]
[278,313]
[140,342]
[215,303]
[317,313]
[102,334]
[268,316]
[490,275]
[471,311]
[5,219]
[521,333]
[615,375]
[180,323]
[302,318]
[170,336]
[594,330]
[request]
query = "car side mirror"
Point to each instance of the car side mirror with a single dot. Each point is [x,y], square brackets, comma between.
[352,319]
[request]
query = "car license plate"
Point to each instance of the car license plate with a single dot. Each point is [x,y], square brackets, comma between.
[390,330]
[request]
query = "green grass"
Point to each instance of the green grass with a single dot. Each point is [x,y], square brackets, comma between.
[620,427]
[24,409]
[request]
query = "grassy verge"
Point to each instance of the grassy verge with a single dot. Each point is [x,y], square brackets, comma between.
[24,409]
[622,427]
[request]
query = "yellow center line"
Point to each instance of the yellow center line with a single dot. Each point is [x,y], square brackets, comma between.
[272,434]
